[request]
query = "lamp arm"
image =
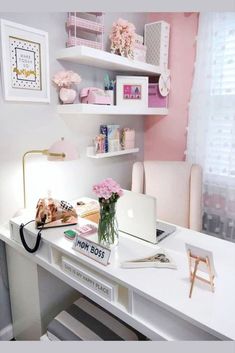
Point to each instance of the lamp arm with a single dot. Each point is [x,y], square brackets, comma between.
[43,152]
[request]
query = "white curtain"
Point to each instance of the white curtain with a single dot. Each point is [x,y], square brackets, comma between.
[211,129]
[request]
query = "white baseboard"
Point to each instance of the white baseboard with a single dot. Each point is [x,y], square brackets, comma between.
[45,338]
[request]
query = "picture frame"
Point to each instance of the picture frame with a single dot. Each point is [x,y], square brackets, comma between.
[25,63]
[200,260]
[132,90]
[202,253]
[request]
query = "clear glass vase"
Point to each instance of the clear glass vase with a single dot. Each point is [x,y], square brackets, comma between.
[108,226]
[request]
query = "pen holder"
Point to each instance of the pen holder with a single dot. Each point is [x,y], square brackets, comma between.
[111,95]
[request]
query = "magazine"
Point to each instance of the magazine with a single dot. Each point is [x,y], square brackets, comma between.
[159,259]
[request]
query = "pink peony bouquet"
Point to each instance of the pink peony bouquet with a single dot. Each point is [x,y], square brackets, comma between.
[108,192]
[108,189]
[122,38]
[66,78]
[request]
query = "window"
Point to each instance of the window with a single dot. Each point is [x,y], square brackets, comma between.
[220,147]
[223,56]
[211,130]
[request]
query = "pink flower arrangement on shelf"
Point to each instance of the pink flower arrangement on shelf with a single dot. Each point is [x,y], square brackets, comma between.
[64,81]
[123,38]
[108,189]
[66,78]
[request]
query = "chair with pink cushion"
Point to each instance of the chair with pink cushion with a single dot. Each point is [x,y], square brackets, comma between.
[177,187]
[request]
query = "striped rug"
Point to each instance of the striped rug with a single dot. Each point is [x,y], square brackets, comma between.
[86,321]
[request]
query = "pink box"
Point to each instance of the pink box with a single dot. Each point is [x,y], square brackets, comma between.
[94,95]
[128,138]
[155,100]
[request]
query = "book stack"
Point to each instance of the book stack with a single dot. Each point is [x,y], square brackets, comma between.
[104,131]
[86,209]
[112,137]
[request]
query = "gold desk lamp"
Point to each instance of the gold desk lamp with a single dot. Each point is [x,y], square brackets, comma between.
[60,151]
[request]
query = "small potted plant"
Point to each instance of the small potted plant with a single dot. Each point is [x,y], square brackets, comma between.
[65,80]
[123,38]
[108,192]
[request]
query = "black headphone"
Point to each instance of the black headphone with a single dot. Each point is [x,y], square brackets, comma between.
[38,240]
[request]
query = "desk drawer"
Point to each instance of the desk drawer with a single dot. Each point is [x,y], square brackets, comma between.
[167,324]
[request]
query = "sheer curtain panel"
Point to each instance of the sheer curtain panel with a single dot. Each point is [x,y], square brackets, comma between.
[211,130]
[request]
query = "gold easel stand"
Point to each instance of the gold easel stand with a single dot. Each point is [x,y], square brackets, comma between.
[193,273]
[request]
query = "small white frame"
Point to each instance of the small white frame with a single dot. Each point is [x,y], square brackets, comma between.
[203,253]
[138,81]
[36,61]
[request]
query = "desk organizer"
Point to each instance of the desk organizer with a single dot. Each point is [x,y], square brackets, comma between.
[156,38]
[73,41]
[85,31]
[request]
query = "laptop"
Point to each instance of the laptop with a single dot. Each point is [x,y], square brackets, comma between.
[136,216]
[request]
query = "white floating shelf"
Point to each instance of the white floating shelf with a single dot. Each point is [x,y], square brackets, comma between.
[113,154]
[95,109]
[105,60]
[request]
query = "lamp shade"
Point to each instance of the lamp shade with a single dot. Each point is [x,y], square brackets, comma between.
[62,147]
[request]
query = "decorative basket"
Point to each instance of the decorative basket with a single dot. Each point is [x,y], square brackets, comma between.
[85,29]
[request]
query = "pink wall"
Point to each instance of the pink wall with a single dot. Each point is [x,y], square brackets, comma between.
[165,137]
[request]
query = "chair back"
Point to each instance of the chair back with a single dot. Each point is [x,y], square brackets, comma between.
[177,188]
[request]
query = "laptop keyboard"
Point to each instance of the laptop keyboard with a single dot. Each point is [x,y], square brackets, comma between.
[159,232]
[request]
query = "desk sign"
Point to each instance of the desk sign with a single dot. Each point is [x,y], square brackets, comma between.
[92,250]
[107,290]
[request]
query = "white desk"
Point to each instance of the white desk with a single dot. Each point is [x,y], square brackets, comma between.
[154,301]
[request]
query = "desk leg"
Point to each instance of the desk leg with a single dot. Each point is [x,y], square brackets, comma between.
[36,296]
[24,295]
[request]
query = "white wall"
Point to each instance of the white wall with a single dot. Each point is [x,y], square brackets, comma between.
[25,126]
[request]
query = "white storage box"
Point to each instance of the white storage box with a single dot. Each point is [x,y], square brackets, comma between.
[156,38]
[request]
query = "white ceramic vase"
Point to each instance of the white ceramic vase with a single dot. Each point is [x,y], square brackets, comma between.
[67,95]
[111,95]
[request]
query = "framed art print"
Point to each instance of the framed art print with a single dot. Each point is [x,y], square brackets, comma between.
[25,63]
[132,90]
